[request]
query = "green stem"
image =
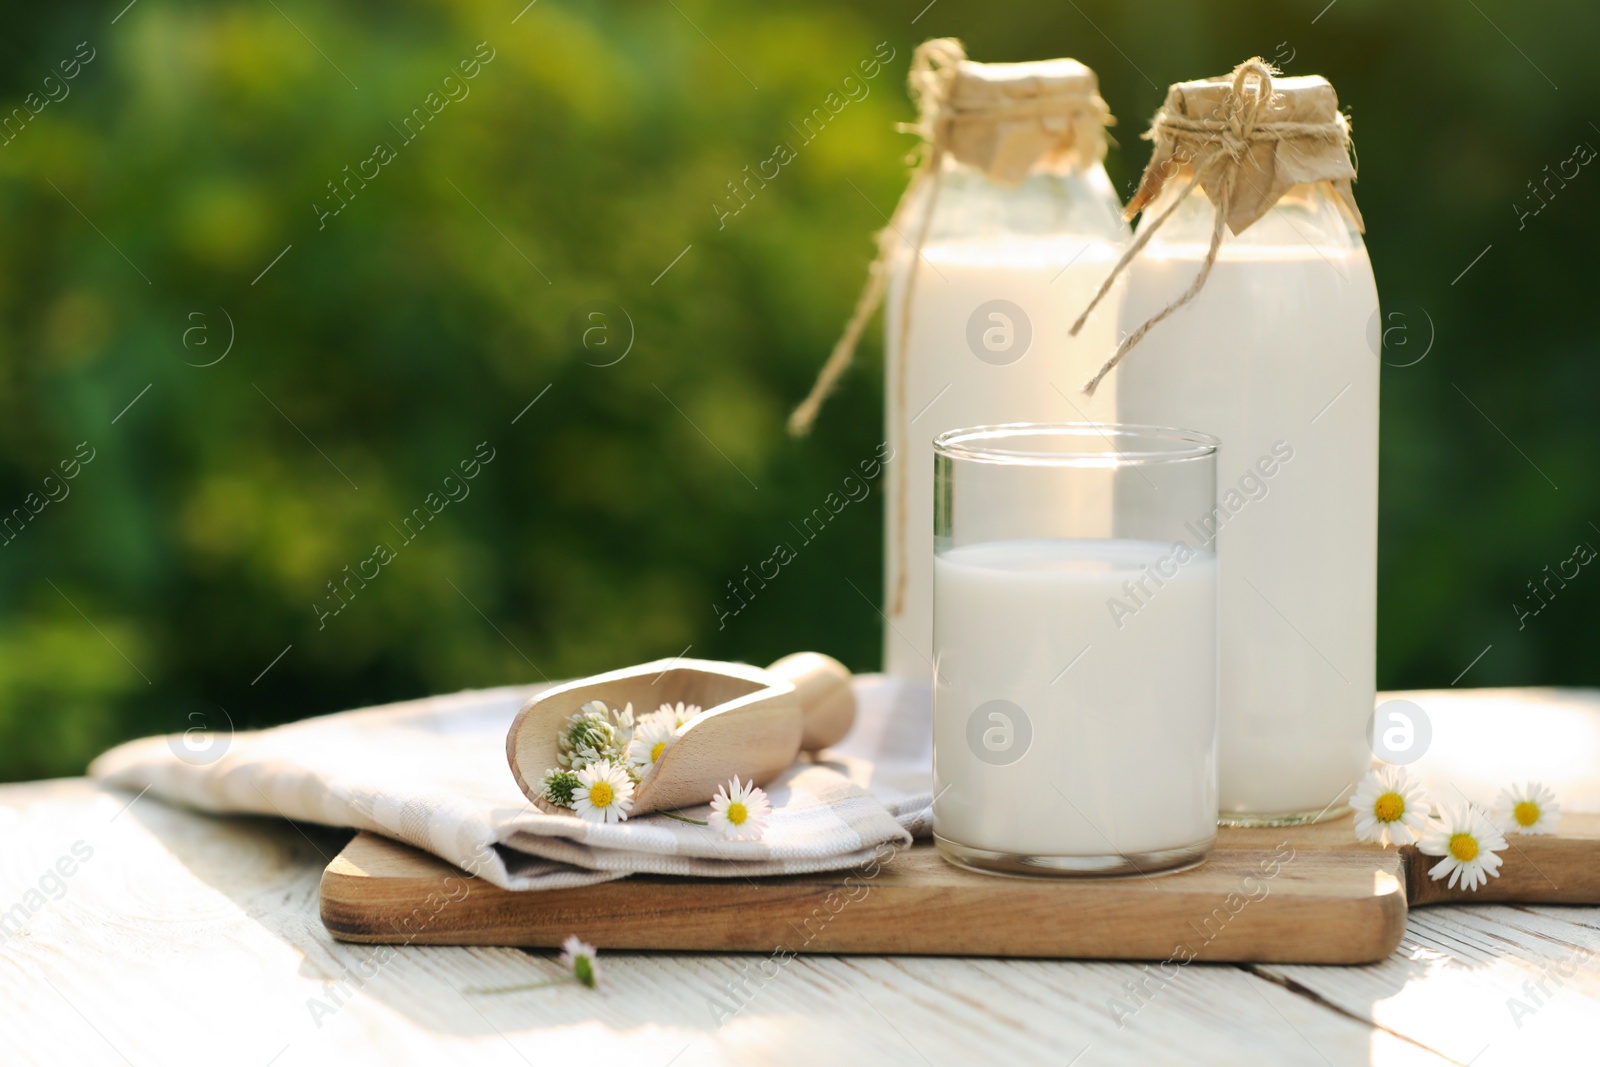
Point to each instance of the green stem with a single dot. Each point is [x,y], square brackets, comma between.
[519,988]
[683,818]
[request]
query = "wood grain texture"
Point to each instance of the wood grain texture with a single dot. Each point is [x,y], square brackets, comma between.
[827,701]
[1266,902]
[189,939]
[1561,868]
[753,724]
[1489,985]
[1309,894]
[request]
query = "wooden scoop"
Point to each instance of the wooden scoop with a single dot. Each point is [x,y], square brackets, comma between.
[753,723]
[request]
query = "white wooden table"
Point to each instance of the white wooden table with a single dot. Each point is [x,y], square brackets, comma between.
[137,933]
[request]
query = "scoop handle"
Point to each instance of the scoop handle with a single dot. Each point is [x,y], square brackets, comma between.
[827,703]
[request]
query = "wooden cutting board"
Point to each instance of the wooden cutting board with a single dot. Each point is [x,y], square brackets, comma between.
[1308,894]
[1298,895]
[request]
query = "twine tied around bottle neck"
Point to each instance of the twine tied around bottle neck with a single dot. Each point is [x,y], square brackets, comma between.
[1220,152]
[1001,119]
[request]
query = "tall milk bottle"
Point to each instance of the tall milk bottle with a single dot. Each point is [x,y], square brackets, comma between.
[1011,227]
[1272,356]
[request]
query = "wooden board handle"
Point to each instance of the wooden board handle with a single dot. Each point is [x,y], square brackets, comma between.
[827,703]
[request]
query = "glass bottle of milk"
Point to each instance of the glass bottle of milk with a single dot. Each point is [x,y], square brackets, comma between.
[1016,227]
[1272,356]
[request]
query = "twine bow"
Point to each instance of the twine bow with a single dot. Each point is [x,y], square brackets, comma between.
[1215,150]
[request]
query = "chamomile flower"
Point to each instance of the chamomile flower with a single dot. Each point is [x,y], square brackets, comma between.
[604,793]
[1468,841]
[650,740]
[1391,807]
[580,963]
[739,811]
[674,715]
[582,960]
[1527,809]
[559,786]
[595,732]
[678,713]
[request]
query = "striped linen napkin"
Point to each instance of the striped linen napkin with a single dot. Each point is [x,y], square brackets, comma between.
[433,773]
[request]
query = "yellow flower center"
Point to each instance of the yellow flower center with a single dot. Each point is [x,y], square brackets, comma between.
[601,794]
[1526,813]
[738,813]
[1464,847]
[656,750]
[1389,807]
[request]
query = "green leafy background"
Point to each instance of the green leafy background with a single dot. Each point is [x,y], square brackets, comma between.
[424,317]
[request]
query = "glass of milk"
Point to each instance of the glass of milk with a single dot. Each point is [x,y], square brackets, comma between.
[1074,649]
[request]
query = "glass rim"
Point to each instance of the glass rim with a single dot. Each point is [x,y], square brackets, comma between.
[1131,444]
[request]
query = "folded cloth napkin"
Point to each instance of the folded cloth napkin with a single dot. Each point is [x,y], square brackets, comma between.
[433,773]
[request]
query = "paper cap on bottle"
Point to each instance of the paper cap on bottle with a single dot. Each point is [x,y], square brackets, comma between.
[1004,118]
[1293,136]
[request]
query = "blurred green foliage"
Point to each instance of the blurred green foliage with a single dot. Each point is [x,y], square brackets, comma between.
[450,291]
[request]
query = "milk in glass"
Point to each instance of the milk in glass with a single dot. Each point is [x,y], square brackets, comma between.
[1117,715]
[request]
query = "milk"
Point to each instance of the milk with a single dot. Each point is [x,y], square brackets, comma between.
[1274,350]
[948,386]
[1106,744]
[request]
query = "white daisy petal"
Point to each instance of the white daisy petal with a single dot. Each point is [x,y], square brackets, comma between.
[595,732]
[650,741]
[604,793]
[1531,808]
[740,812]
[582,960]
[1391,807]
[677,714]
[1467,840]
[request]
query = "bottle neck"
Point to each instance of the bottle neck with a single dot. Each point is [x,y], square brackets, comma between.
[1308,214]
[1055,198]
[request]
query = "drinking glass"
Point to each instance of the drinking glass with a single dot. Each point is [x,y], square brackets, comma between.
[1075,648]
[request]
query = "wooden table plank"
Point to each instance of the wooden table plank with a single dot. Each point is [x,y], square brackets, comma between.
[1486,985]
[184,938]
